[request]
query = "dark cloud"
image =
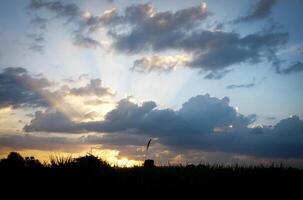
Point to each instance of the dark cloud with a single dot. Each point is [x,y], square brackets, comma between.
[115,139]
[271,142]
[294,68]
[248,85]
[93,88]
[290,126]
[28,141]
[251,84]
[212,51]
[223,49]
[260,11]
[156,30]
[202,123]
[18,88]
[56,121]
[200,114]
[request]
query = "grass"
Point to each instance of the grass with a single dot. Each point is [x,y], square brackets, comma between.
[59,161]
[92,175]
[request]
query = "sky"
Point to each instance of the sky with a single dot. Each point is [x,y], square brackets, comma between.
[211,81]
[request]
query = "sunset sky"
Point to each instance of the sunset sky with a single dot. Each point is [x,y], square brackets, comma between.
[211,81]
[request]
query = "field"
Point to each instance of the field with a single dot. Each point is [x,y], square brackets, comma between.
[91,175]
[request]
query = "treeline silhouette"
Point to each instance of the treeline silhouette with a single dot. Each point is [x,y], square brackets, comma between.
[91,175]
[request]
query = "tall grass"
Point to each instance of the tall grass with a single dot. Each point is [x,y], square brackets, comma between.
[60,161]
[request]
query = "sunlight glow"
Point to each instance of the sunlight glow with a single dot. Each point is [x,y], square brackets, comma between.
[203,6]
[237,109]
[109,155]
[86,15]
[112,156]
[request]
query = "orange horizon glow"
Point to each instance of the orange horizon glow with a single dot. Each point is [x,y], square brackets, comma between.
[108,155]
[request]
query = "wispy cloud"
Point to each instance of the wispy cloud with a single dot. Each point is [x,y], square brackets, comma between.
[294,68]
[259,11]
[251,84]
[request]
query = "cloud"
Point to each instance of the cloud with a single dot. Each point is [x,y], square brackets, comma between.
[155,30]
[37,42]
[56,121]
[211,51]
[96,102]
[83,22]
[271,118]
[199,114]
[87,23]
[93,88]
[85,42]
[115,139]
[39,48]
[111,149]
[294,68]
[251,84]
[202,123]
[28,141]
[159,63]
[18,88]
[140,28]
[217,74]
[260,11]
[248,85]
[36,37]
[39,22]
[70,10]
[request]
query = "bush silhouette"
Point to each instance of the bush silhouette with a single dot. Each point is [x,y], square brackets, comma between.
[90,162]
[91,174]
[14,160]
[31,162]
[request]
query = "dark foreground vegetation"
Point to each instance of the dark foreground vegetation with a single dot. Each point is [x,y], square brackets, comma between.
[89,175]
